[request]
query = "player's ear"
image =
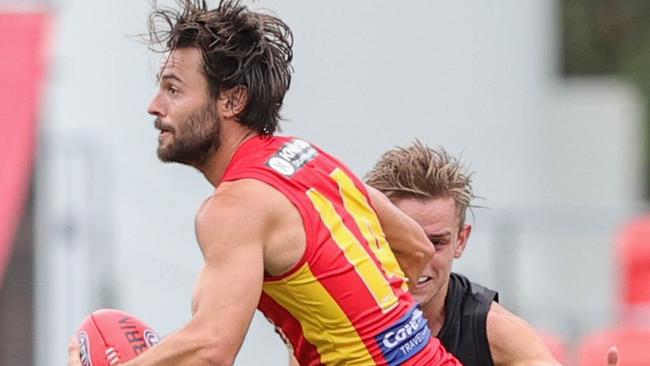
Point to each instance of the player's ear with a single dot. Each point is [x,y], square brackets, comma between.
[461,243]
[233,101]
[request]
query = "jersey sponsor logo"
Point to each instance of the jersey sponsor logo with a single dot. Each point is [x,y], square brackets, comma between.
[281,166]
[405,338]
[292,157]
[84,349]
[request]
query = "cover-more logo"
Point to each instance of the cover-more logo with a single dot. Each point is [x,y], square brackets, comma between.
[396,337]
[405,338]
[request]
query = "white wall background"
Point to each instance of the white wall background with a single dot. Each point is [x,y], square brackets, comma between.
[557,161]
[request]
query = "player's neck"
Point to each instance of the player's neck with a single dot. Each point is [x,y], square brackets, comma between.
[434,310]
[233,135]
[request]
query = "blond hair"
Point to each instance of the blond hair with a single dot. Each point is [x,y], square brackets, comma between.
[419,171]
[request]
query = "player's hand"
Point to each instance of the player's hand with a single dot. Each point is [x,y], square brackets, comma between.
[612,356]
[74,359]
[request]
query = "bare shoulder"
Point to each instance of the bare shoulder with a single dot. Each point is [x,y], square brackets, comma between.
[239,195]
[251,212]
[238,209]
[513,341]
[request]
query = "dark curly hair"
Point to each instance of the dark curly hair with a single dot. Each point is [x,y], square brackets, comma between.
[240,48]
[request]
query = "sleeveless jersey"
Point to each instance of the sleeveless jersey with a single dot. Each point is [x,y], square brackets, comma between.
[464,332]
[345,302]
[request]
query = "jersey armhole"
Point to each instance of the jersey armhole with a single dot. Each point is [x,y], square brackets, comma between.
[271,180]
[481,330]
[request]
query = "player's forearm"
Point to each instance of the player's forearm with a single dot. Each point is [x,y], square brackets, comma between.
[414,260]
[405,237]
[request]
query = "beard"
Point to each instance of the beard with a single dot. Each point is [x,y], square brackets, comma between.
[194,140]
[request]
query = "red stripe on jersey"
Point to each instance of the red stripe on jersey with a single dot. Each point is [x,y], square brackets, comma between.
[292,331]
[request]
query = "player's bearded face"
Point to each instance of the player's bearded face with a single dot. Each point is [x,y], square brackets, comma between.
[191,140]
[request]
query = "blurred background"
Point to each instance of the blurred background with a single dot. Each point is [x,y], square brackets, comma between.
[547,101]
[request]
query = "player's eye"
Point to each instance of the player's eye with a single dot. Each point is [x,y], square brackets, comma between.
[437,242]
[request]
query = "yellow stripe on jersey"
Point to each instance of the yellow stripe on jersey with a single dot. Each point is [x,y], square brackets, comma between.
[324,323]
[354,252]
[356,203]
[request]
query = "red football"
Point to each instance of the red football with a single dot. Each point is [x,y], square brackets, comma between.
[110,336]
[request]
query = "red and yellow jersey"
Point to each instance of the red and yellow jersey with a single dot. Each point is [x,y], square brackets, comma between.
[346,301]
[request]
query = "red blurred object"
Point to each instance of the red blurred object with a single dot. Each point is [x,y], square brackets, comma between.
[22,40]
[633,247]
[556,345]
[633,345]
[109,336]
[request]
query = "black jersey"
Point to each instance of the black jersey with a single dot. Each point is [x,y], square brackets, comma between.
[464,330]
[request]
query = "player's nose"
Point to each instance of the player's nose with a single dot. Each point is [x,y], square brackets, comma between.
[155,107]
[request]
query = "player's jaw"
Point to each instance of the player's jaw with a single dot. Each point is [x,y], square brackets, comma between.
[192,140]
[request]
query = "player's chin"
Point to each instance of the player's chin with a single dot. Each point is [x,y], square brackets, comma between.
[423,290]
[421,298]
[165,153]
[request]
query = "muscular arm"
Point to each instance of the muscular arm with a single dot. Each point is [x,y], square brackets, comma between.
[513,341]
[230,231]
[405,237]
